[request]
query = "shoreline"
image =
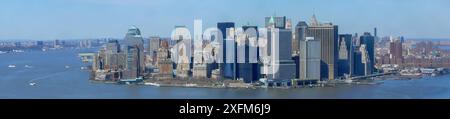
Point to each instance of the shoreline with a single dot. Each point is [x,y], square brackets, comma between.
[189,83]
[225,83]
[196,83]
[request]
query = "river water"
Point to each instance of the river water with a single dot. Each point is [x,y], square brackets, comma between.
[55,81]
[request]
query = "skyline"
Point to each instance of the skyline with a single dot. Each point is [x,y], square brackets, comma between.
[80,19]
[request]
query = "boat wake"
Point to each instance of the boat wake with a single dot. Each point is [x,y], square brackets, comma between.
[33,82]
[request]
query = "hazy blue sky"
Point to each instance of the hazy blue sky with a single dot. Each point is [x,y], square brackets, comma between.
[67,19]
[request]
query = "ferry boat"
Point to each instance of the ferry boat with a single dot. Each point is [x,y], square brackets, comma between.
[152,84]
[18,51]
[129,81]
[27,66]
[410,73]
[12,66]
[348,81]
[427,70]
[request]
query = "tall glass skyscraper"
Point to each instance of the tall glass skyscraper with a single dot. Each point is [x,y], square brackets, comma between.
[369,40]
[248,70]
[134,49]
[227,69]
[279,41]
[358,65]
[345,54]
[327,34]
[310,59]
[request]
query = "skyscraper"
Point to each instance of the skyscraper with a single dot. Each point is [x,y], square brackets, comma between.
[113,46]
[396,50]
[112,55]
[199,67]
[133,68]
[275,22]
[356,41]
[164,62]
[375,32]
[366,60]
[310,59]
[300,31]
[247,68]
[285,40]
[227,69]
[134,49]
[212,47]
[182,52]
[327,34]
[279,41]
[345,54]
[358,65]
[369,41]
[153,46]
[288,24]
[361,62]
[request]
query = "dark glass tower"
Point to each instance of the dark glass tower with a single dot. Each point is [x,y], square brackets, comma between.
[134,49]
[345,48]
[248,70]
[369,40]
[227,69]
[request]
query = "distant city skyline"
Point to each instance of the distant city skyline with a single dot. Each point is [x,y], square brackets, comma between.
[80,19]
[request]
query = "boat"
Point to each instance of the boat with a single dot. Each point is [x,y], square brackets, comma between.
[18,51]
[32,83]
[410,73]
[152,84]
[427,70]
[348,81]
[12,66]
[67,67]
[27,66]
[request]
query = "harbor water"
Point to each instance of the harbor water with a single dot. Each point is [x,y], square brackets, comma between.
[56,74]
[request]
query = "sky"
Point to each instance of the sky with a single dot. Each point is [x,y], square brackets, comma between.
[81,19]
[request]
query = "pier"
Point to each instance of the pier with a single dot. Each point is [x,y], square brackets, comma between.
[86,57]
